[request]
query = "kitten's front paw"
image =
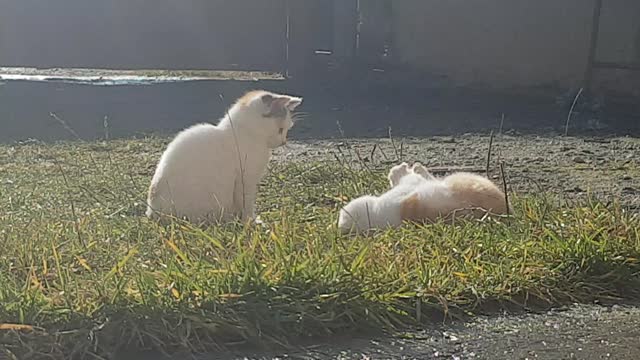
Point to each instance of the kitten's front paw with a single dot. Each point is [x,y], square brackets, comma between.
[422,170]
[398,172]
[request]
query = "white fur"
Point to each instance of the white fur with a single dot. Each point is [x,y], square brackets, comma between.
[376,212]
[435,197]
[211,172]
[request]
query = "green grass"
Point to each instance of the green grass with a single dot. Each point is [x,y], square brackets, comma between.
[80,263]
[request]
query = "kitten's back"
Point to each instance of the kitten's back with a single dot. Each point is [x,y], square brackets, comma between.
[459,194]
[186,171]
[477,191]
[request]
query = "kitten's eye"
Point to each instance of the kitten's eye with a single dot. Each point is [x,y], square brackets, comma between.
[280,131]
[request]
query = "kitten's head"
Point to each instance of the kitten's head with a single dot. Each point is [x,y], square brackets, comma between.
[273,114]
[358,216]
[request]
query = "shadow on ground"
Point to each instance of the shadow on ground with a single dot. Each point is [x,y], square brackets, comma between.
[335,109]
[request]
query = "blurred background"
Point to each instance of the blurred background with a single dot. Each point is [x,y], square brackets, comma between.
[421,67]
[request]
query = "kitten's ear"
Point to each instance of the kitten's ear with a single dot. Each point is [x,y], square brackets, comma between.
[293,103]
[267,99]
[275,104]
[278,104]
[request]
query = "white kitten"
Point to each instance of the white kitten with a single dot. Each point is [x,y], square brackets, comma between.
[416,195]
[211,172]
[375,212]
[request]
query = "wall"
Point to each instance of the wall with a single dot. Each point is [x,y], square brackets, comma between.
[496,43]
[133,34]
[511,43]
[619,41]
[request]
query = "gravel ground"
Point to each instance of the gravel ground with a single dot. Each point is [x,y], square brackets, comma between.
[575,332]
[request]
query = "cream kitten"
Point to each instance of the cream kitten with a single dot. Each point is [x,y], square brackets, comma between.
[416,195]
[211,172]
